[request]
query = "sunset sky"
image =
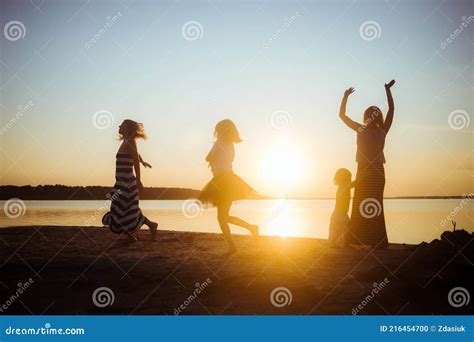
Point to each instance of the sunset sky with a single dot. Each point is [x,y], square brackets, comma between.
[254,62]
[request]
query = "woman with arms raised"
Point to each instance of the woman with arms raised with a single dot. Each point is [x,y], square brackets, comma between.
[367,223]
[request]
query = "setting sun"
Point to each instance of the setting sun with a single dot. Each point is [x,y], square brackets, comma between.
[282,165]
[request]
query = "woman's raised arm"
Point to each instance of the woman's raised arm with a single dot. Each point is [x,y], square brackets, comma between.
[342,111]
[391,107]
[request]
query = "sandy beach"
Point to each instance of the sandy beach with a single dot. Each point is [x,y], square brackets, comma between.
[188,274]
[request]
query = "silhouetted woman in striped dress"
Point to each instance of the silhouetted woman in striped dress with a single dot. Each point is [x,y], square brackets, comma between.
[125,216]
[367,222]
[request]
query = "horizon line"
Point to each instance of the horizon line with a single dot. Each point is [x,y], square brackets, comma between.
[262,197]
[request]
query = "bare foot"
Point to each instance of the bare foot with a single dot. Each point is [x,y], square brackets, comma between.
[254,230]
[131,238]
[231,250]
[153,230]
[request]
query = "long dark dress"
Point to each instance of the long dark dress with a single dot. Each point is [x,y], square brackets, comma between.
[367,222]
[125,215]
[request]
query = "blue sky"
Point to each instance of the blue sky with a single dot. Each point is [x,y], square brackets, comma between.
[253,58]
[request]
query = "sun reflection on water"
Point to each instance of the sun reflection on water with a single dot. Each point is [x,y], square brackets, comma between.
[280,222]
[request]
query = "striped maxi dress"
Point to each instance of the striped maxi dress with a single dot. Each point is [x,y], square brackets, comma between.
[367,222]
[125,215]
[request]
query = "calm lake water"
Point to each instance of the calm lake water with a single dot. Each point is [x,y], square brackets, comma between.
[408,220]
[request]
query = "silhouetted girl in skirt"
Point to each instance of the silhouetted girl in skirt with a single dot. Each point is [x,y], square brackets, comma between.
[226,187]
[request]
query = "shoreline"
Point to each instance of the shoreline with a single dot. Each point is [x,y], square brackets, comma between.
[467,197]
[392,245]
[68,264]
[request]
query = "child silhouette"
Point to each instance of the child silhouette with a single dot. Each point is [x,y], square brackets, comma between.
[340,219]
[226,187]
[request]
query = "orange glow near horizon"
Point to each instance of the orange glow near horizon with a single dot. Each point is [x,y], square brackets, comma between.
[283,166]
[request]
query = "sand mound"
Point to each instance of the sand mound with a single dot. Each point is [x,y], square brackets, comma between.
[424,280]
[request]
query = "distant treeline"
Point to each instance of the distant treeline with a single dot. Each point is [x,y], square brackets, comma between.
[63,192]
